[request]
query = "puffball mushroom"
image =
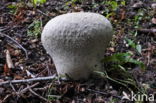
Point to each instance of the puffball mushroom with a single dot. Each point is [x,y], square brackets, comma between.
[76,42]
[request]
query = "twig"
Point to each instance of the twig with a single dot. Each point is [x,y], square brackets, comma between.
[14,90]
[103,93]
[6,97]
[18,93]
[3,29]
[41,89]
[55,96]
[8,60]
[27,88]
[44,99]
[97,92]
[42,13]
[148,30]
[28,80]
[43,71]
[13,87]
[16,43]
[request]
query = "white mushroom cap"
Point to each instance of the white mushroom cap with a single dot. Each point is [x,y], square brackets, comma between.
[76,42]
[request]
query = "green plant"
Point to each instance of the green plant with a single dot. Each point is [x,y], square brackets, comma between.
[15,7]
[72,2]
[111,7]
[34,29]
[38,2]
[138,17]
[114,5]
[122,58]
[132,44]
[117,72]
[123,2]
[113,100]
[122,82]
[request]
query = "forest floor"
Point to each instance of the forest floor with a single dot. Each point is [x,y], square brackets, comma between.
[134,24]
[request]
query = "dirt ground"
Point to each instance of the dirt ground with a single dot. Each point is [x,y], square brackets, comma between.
[21,24]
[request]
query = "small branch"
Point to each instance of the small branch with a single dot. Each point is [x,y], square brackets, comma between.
[97,92]
[28,80]
[41,89]
[5,98]
[13,87]
[26,89]
[42,13]
[147,30]
[16,43]
[42,98]
[103,93]
[55,96]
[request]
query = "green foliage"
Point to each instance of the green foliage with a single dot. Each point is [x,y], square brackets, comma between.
[72,2]
[124,82]
[49,93]
[138,48]
[53,97]
[122,58]
[34,29]
[138,17]
[38,2]
[114,5]
[13,8]
[123,2]
[116,70]
[111,7]
[132,44]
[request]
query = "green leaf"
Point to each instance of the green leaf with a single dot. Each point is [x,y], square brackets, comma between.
[109,15]
[12,6]
[114,5]
[123,2]
[139,63]
[131,43]
[122,58]
[138,48]
[136,33]
[117,58]
[34,29]
[35,2]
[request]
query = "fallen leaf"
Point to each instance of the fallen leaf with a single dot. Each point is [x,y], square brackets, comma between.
[6,70]
[1,20]
[9,60]
[17,77]
[34,41]
[1,80]
[153,6]
[138,48]
[153,20]
[137,5]
[122,14]
[111,49]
